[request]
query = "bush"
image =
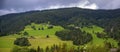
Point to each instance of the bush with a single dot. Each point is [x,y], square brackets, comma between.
[25,33]
[50,27]
[47,36]
[33,27]
[22,42]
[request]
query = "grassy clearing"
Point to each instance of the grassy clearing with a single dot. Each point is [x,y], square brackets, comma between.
[40,35]
[5,49]
[6,42]
[44,32]
[44,42]
[98,41]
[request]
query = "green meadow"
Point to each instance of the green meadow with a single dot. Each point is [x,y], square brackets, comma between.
[98,41]
[7,42]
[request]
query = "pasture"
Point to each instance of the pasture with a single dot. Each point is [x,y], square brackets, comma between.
[7,42]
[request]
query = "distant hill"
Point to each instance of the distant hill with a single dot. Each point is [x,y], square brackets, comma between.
[107,19]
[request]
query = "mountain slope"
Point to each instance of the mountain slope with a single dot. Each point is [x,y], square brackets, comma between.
[13,23]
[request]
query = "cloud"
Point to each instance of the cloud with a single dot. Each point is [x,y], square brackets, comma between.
[80,4]
[87,4]
[27,5]
[3,12]
[106,4]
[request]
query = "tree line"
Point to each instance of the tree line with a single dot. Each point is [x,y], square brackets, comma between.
[76,35]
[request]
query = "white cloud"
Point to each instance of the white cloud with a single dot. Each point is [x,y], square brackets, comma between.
[87,4]
[106,4]
[56,6]
[3,12]
[80,4]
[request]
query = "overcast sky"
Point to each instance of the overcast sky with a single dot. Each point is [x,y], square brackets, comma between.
[15,6]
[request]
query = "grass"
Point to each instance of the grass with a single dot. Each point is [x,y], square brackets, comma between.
[44,32]
[44,42]
[40,35]
[98,41]
[6,42]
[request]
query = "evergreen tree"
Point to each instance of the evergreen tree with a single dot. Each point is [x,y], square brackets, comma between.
[22,42]
[25,33]
[32,50]
[47,36]
[38,49]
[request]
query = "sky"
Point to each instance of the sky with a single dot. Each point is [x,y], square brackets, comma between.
[16,6]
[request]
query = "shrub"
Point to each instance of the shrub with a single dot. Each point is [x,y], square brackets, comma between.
[22,42]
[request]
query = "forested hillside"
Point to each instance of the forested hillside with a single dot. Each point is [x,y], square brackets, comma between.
[107,19]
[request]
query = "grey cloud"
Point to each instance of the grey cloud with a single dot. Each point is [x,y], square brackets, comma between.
[27,5]
[106,4]
[1,4]
[2,12]
[33,3]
